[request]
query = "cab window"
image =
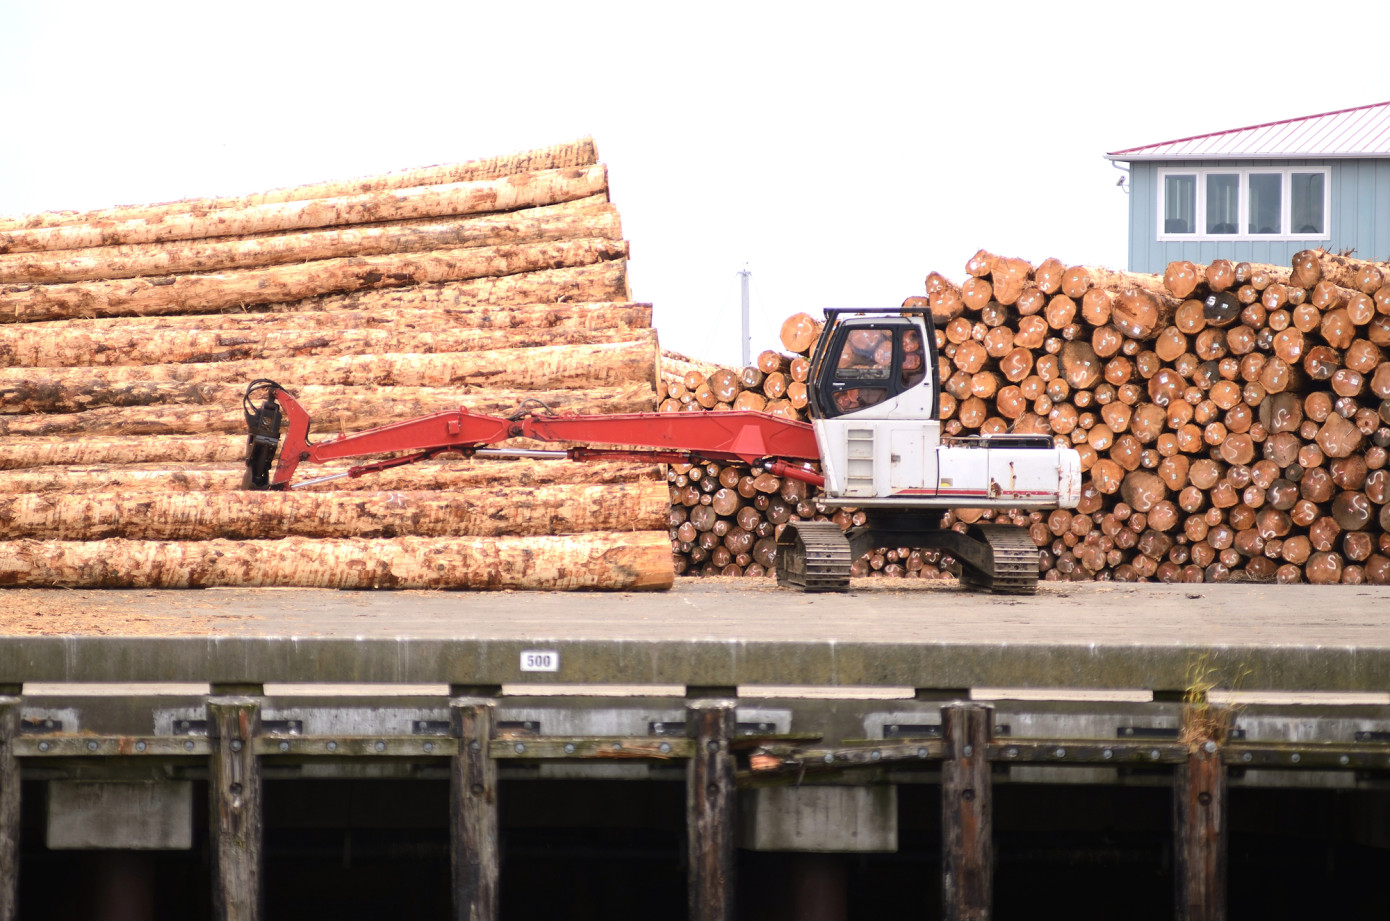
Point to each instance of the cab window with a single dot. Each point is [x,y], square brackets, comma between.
[914,359]
[863,370]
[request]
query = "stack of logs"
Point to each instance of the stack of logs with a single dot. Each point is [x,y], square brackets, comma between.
[127,338]
[725,519]
[1233,419]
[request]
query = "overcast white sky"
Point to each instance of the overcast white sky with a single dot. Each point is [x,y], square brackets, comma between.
[840,152]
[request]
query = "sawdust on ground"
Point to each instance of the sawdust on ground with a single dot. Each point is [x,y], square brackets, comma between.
[75,612]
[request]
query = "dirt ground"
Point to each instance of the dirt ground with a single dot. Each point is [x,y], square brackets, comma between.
[68,612]
[194,612]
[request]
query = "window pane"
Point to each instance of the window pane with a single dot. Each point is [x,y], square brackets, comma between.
[1223,203]
[1179,204]
[914,359]
[867,355]
[1264,202]
[1306,198]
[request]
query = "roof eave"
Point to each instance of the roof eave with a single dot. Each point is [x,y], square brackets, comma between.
[1134,158]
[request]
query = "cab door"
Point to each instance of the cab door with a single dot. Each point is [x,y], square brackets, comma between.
[873,409]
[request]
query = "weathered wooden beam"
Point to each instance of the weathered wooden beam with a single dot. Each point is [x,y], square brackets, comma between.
[616,748]
[9,809]
[234,785]
[967,813]
[710,804]
[474,850]
[1200,834]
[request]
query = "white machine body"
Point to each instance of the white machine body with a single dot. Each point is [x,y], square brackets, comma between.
[875,418]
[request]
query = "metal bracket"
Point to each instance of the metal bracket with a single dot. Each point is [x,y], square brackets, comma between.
[929,730]
[1168,733]
[674,728]
[190,727]
[1146,732]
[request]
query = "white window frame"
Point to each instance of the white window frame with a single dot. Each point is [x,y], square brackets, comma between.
[1243,208]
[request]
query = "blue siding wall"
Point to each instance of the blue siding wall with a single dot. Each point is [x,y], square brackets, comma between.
[1360,218]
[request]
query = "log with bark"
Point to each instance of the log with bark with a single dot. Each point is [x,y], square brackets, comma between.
[333,409]
[66,390]
[445,474]
[536,225]
[572,154]
[578,284]
[484,511]
[557,316]
[508,193]
[141,346]
[617,560]
[281,284]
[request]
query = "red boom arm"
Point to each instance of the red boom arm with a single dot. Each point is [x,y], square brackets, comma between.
[749,437]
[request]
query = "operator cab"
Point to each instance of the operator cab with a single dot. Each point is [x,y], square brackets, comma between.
[875,367]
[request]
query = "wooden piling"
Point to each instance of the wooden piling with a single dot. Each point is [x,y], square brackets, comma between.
[1199,834]
[9,810]
[234,785]
[474,854]
[710,803]
[967,813]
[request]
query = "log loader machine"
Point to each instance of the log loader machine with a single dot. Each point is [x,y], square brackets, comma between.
[875,433]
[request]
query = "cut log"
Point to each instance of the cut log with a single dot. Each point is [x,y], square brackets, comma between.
[725,385]
[1080,366]
[771,362]
[240,515]
[1076,281]
[1031,301]
[946,303]
[509,193]
[576,303]
[1049,275]
[750,400]
[980,264]
[23,452]
[1140,313]
[65,390]
[1343,271]
[140,346]
[214,293]
[1338,437]
[936,282]
[537,225]
[572,154]
[1008,276]
[1182,278]
[333,408]
[624,560]
[1221,275]
[976,293]
[799,332]
[564,316]
[443,474]
[1096,306]
[600,282]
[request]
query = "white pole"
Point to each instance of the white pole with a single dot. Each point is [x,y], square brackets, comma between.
[744,276]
